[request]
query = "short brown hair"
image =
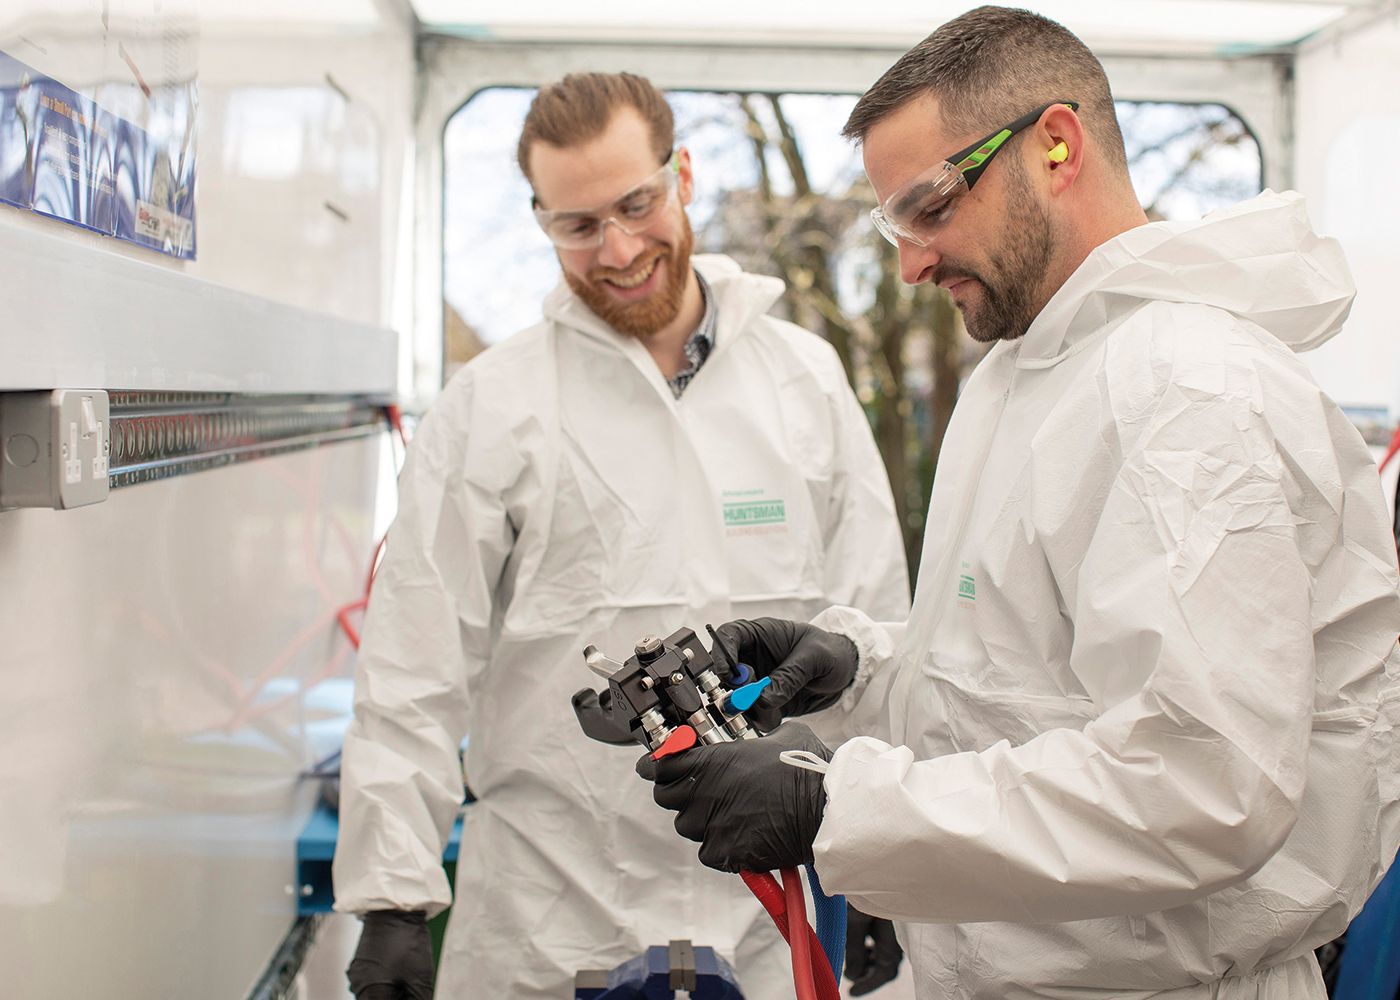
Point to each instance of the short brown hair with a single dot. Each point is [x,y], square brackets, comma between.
[990,66]
[580,106]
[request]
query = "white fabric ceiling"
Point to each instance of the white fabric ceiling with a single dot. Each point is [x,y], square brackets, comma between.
[1207,26]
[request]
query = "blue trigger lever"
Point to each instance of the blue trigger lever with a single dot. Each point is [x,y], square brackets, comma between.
[742,699]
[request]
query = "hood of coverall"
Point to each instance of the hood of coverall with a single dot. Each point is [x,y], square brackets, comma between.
[738,295]
[1259,260]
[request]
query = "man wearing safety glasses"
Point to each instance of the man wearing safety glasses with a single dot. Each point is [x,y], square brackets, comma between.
[659,452]
[1137,737]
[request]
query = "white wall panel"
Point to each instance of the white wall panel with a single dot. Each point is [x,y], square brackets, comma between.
[169,659]
[170,664]
[1348,142]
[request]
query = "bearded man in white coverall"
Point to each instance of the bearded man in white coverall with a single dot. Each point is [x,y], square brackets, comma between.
[659,452]
[1136,738]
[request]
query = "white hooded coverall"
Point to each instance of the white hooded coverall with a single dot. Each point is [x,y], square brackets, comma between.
[556,495]
[1138,733]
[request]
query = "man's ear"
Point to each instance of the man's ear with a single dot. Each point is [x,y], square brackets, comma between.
[685,181]
[1060,137]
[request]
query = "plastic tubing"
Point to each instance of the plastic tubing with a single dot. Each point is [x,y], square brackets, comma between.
[765,888]
[831,922]
[798,941]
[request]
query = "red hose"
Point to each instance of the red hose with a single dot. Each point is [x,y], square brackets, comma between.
[798,930]
[766,889]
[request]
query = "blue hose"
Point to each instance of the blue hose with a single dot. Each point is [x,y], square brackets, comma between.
[831,923]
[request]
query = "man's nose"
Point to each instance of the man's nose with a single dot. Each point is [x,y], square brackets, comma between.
[916,263]
[619,248]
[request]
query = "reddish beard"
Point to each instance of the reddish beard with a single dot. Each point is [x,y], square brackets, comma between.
[646,317]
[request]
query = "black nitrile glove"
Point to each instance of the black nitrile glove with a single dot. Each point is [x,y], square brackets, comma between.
[809,666]
[748,810]
[872,952]
[394,960]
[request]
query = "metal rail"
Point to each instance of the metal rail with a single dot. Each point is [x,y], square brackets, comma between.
[158,435]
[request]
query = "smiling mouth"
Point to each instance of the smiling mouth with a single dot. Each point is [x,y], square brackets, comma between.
[636,279]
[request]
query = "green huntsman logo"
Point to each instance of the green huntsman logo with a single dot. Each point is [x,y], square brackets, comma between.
[752,512]
[967,585]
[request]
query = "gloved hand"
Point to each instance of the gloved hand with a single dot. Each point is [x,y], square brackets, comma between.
[809,666]
[394,960]
[872,952]
[748,809]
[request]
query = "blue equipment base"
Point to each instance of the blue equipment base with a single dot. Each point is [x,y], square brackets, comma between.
[315,851]
[658,973]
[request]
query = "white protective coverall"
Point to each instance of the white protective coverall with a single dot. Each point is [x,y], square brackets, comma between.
[557,494]
[1141,716]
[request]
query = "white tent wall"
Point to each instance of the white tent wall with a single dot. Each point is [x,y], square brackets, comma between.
[162,649]
[305,148]
[1347,142]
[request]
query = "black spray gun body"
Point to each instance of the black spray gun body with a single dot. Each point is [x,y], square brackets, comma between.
[668,695]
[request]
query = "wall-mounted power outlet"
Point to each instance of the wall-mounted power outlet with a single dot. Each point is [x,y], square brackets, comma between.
[53,448]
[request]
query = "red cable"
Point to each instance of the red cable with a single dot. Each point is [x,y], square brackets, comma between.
[374,563]
[342,614]
[395,416]
[1390,453]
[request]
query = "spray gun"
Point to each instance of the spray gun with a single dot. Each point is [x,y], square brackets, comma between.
[668,695]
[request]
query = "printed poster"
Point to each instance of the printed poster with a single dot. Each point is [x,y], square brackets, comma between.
[65,156]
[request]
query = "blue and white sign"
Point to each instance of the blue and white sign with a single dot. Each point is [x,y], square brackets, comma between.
[17,123]
[64,156]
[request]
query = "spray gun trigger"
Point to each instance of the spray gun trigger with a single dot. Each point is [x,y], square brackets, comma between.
[681,738]
[742,699]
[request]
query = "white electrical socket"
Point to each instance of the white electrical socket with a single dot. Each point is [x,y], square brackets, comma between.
[54,448]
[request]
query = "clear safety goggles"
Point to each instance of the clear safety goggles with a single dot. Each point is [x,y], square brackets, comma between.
[633,213]
[918,210]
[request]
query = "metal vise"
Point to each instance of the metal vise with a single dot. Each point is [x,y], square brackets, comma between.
[658,973]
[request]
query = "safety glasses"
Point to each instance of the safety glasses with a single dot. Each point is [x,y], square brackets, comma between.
[918,210]
[633,213]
